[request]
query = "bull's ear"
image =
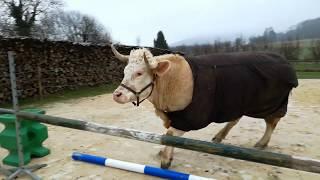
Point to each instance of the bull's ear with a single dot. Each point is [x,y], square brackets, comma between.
[162,67]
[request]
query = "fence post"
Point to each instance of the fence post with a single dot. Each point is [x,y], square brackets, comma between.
[40,88]
[22,169]
[15,105]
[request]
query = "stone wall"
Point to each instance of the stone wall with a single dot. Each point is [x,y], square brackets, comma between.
[46,67]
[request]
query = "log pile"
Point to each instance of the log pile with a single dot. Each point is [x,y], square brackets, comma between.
[46,67]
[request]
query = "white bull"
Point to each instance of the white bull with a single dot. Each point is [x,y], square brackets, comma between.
[167,82]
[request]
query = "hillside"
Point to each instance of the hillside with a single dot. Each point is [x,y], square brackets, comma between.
[308,29]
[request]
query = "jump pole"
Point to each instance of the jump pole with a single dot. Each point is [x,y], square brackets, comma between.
[129,166]
[247,154]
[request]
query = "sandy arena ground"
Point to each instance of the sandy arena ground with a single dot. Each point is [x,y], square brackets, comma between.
[297,134]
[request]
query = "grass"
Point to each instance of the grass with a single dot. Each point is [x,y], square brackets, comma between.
[302,66]
[308,75]
[64,95]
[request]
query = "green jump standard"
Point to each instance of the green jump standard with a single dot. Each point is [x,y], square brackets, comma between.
[32,136]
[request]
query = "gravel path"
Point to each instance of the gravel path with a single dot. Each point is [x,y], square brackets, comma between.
[296,134]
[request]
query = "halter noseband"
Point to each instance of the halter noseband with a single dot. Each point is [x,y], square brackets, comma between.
[137,94]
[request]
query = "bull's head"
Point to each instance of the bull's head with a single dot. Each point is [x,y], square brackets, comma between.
[139,75]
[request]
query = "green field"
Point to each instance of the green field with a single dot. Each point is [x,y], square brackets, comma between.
[307,70]
[308,75]
[303,66]
[305,47]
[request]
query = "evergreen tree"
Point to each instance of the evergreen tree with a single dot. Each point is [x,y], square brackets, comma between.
[160,42]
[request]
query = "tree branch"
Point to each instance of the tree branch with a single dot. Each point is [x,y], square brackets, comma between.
[34,13]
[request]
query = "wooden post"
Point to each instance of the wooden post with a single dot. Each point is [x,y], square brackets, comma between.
[254,155]
[40,89]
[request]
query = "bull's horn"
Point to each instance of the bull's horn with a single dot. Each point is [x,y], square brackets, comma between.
[121,57]
[146,60]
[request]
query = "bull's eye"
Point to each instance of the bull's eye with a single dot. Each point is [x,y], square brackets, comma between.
[139,74]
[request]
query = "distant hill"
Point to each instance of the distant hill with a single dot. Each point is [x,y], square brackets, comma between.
[206,39]
[210,39]
[308,29]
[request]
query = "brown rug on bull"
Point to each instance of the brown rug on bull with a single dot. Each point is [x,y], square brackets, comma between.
[228,86]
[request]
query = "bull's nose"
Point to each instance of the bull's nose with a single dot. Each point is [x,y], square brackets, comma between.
[117,94]
[120,97]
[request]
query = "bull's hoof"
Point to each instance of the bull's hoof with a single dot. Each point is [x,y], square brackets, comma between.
[260,146]
[165,165]
[216,140]
[165,161]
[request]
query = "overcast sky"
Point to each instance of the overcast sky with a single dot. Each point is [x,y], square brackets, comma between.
[183,19]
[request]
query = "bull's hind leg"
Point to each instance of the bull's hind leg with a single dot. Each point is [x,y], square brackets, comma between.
[167,154]
[270,126]
[224,132]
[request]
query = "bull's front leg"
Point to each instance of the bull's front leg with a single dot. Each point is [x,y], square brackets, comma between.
[163,116]
[166,154]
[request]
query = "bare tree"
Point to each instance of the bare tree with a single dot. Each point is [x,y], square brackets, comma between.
[92,31]
[269,35]
[217,46]
[77,27]
[227,46]
[67,25]
[25,12]
[290,49]
[46,27]
[316,49]
[6,28]
[239,43]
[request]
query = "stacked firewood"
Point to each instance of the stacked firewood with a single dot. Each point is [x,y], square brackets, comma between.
[46,67]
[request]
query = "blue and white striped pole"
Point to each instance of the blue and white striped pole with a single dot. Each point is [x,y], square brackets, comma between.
[149,170]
